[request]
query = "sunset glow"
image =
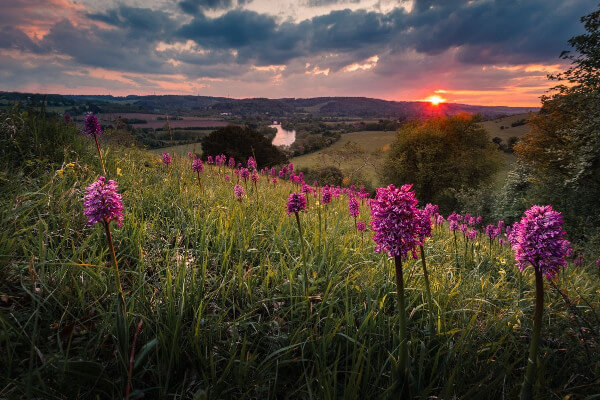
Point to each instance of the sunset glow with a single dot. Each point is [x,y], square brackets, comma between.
[234,48]
[435,100]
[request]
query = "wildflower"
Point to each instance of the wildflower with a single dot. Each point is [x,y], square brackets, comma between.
[60,173]
[502,242]
[166,159]
[273,173]
[103,203]
[92,125]
[290,167]
[92,128]
[231,162]
[281,174]
[578,261]
[209,160]
[492,232]
[238,191]
[538,240]
[361,226]
[67,117]
[274,181]
[197,165]
[296,202]
[119,171]
[395,221]
[254,176]
[244,173]
[598,262]
[227,178]
[353,207]
[326,197]
[190,155]
[472,234]
[251,163]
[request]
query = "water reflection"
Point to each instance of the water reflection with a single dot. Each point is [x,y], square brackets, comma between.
[283,137]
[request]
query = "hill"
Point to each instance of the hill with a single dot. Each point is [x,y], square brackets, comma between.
[333,107]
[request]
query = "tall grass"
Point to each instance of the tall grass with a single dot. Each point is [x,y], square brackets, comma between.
[218,285]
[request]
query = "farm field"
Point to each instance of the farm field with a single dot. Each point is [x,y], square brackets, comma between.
[493,127]
[369,140]
[181,150]
[153,121]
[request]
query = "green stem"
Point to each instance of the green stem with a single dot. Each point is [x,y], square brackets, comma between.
[303,257]
[427,288]
[403,357]
[527,391]
[114,258]
[100,154]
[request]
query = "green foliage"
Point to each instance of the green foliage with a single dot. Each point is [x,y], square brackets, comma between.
[439,156]
[562,150]
[34,142]
[241,143]
[329,175]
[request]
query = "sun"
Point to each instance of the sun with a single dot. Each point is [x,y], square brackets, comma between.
[435,100]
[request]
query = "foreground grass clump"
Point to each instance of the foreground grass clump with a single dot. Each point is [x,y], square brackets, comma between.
[226,300]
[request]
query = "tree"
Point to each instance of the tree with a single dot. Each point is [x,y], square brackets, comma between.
[242,142]
[562,149]
[441,156]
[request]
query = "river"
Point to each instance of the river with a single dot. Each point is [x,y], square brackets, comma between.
[283,137]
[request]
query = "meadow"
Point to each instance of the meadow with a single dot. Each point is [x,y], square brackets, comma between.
[224,298]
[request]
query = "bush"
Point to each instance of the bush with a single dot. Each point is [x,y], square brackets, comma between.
[440,156]
[242,142]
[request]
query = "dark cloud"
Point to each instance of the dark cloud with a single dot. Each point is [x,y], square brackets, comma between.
[461,32]
[106,48]
[14,38]
[196,6]
[138,21]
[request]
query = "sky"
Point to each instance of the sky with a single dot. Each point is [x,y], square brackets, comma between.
[466,51]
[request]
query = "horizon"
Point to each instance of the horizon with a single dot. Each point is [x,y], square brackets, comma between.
[464,52]
[274,98]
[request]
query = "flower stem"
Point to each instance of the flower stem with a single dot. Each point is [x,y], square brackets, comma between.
[303,257]
[527,391]
[114,258]
[100,154]
[427,288]
[403,357]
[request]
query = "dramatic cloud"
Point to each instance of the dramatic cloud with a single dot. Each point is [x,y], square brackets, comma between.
[471,50]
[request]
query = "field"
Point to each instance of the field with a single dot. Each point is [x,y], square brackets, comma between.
[493,127]
[226,298]
[153,121]
[369,140]
[181,150]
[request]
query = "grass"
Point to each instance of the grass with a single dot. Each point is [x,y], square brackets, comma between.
[218,286]
[181,149]
[369,140]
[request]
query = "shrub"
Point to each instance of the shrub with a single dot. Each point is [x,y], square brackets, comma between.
[242,142]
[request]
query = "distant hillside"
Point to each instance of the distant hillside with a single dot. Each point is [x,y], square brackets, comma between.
[506,127]
[361,107]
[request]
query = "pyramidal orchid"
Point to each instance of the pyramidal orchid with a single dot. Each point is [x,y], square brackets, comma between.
[103,203]
[538,240]
[395,221]
[198,167]
[93,129]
